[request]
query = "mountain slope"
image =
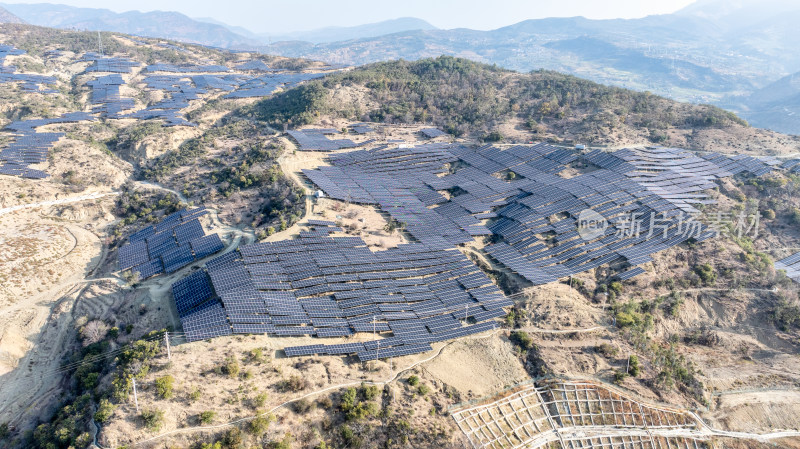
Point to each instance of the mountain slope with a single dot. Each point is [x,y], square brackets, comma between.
[776,106]
[7,17]
[168,25]
[476,100]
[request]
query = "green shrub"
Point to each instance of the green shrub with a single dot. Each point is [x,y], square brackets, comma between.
[522,339]
[259,425]
[153,419]
[206,417]
[348,399]
[232,439]
[285,443]
[260,400]
[349,436]
[369,392]
[230,366]
[785,315]
[413,381]
[257,355]
[164,386]
[302,406]
[325,402]
[633,366]
[707,274]
[606,349]
[423,389]
[104,411]
[294,384]
[361,411]
[794,216]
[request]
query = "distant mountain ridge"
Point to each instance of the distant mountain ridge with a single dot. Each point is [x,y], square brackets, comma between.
[7,17]
[337,34]
[714,51]
[159,24]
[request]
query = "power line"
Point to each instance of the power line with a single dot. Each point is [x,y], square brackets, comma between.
[89,360]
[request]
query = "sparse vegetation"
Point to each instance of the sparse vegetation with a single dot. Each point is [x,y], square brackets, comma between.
[469,98]
[522,340]
[206,417]
[164,386]
[294,384]
[230,367]
[153,419]
[259,425]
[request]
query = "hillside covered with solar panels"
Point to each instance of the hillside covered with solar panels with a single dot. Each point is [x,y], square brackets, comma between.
[203,247]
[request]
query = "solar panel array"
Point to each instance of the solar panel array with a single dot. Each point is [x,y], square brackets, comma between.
[178,90]
[432,133]
[29,147]
[266,85]
[403,182]
[106,98]
[175,242]
[362,128]
[255,65]
[183,85]
[445,195]
[535,217]
[335,286]
[791,265]
[170,68]
[317,140]
[29,82]
[792,165]
[103,64]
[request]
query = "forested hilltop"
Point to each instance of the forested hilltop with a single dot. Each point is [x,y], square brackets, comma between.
[470,99]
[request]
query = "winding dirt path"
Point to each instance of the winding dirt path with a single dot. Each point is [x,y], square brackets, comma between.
[72,199]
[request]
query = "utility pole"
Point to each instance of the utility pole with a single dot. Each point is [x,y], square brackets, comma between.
[135,397]
[100,41]
[166,340]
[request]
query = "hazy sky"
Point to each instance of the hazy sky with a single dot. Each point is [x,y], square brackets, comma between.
[271,16]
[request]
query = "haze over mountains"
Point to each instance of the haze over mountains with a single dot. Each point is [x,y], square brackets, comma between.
[335,33]
[7,17]
[168,25]
[727,53]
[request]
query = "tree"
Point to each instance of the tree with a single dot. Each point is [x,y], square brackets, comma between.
[633,365]
[104,411]
[93,332]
